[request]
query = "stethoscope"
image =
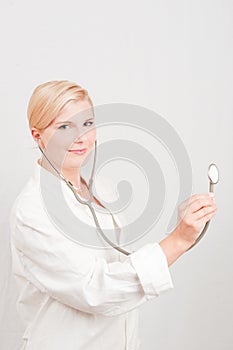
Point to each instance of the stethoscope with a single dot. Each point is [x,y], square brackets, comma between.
[213,175]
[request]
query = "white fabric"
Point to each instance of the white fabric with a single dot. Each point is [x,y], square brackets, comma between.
[71,296]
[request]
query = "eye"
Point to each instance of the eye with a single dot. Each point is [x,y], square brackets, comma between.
[88,122]
[63,126]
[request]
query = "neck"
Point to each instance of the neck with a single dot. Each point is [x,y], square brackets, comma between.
[71,174]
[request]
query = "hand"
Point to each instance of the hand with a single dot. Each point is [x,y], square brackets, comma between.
[193,213]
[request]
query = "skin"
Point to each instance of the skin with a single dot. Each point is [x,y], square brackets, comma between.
[193,213]
[56,140]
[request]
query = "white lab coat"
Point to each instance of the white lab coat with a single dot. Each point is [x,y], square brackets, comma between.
[73,296]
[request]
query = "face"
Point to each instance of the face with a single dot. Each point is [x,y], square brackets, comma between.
[70,132]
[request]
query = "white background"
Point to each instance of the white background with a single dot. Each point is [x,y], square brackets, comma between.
[174,57]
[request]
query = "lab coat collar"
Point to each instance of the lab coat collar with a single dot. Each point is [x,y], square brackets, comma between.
[39,172]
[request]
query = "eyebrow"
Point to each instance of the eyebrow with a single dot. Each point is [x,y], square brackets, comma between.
[69,122]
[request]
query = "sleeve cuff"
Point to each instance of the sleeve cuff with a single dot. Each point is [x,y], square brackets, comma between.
[151,266]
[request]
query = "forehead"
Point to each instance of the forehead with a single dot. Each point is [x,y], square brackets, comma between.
[75,111]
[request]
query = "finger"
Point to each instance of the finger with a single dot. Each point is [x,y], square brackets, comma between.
[205,213]
[193,198]
[200,203]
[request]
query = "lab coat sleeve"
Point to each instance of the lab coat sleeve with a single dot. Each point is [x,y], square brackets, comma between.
[73,275]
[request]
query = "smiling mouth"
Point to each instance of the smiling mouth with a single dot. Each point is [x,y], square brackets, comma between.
[78,151]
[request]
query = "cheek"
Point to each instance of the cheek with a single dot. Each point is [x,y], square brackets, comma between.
[63,139]
[47,138]
[92,136]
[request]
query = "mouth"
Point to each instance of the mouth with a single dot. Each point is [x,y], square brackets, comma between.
[78,151]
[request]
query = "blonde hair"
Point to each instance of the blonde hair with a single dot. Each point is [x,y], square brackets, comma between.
[49,98]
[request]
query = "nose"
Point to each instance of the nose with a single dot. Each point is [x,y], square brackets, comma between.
[81,139]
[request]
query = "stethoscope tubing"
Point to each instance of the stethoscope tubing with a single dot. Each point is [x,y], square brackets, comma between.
[90,201]
[211,189]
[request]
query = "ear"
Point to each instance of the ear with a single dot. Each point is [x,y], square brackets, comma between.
[35,134]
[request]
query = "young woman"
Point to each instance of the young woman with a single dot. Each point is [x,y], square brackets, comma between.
[71,296]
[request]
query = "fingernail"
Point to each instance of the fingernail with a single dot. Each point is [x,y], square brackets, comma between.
[211,194]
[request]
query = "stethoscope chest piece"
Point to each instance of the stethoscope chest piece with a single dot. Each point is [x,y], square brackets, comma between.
[213,174]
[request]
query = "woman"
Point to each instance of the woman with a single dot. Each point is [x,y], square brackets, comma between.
[72,296]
